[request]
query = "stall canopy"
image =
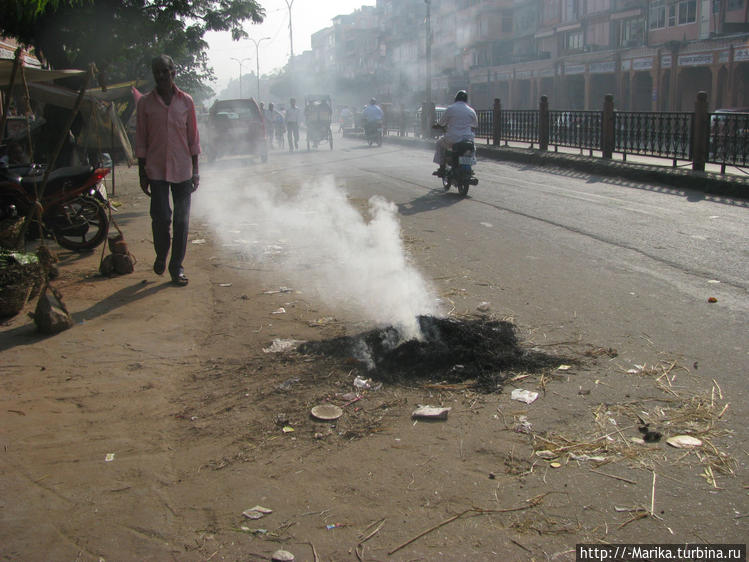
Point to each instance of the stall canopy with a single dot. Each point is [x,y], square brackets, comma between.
[34,74]
[102,128]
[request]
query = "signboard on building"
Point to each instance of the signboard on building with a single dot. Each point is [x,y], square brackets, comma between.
[626,64]
[666,61]
[546,72]
[524,74]
[644,63]
[741,54]
[696,60]
[570,69]
[723,56]
[602,67]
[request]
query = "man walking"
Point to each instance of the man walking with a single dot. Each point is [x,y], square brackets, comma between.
[292,125]
[167,146]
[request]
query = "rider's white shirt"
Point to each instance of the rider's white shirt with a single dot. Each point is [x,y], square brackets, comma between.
[459,118]
[373,113]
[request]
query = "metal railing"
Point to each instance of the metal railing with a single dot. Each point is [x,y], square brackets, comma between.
[720,137]
[728,143]
[661,134]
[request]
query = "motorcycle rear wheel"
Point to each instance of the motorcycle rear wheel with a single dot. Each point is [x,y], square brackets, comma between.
[463,188]
[80,224]
[446,181]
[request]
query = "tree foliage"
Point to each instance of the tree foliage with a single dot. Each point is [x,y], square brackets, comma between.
[122,36]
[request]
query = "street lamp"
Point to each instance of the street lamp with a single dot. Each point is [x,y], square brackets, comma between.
[257,58]
[240,72]
[427,114]
[290,3]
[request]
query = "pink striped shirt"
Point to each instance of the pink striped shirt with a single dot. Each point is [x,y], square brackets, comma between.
[167,136]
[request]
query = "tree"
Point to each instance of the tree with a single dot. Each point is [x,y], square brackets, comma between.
[122,36]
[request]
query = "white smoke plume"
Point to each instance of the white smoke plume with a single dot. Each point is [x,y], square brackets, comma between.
[324,245]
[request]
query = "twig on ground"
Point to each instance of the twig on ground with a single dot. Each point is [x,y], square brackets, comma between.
[652,496]
[614,477]
[533,502]
[528,550]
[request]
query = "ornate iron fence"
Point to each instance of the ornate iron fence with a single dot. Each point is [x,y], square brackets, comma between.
[520,125]
[723,139]
[728,143]
[486,124]
[662,134]
[575,129]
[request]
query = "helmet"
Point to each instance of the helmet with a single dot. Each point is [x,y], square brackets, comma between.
[373,101]
[462,95]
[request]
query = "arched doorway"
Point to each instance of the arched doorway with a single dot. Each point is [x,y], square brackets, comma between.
[574,91]
[600,85]
[691,81]
[642,91]
[740,94]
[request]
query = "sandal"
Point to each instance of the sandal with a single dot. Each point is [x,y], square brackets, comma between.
[180,280]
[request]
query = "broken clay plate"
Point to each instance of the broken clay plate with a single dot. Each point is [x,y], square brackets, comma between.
[430,412]
[327,412]
[684,442]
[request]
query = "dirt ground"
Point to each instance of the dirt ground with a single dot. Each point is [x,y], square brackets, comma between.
[146,430]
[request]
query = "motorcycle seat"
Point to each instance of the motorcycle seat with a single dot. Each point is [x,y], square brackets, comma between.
[462,147]
[75,174]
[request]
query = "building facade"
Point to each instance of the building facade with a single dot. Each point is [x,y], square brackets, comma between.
[652,55]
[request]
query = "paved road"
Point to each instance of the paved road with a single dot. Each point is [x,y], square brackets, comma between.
[612,263]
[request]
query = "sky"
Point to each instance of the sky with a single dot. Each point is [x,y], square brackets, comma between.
[307,17]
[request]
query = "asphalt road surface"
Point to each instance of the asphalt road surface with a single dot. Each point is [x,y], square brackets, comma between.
[612,262]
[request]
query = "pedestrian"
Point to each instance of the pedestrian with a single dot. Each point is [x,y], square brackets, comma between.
[167,146]
[270,122]
[292,125]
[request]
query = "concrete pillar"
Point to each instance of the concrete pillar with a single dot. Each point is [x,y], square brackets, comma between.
[607,127]
[701,131]
[543,123]
[496,122]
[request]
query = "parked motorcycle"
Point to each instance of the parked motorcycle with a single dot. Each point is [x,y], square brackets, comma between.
[373,133]
[459,162]
[73,206]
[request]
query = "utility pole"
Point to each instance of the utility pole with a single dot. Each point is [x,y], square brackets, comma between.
[429,51]
[427,113]
[240,72]
[257,59]
[289,4]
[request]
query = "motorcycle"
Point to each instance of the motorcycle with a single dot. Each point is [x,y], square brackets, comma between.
[73,206]
[459,161]
[373,133]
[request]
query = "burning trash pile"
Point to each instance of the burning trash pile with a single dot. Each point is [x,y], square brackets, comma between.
[451,350]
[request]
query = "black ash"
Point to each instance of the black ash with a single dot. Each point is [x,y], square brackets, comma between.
[451,350]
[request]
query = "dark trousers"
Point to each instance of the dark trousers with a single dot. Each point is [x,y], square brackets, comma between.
[161,221]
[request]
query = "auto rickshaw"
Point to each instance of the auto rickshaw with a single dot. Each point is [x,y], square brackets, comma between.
[318,114]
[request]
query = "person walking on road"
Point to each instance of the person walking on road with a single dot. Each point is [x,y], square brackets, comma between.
[167,146]
[292,125]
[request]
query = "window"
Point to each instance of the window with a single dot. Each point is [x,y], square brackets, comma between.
[735,5]
[506,22]
[687,12]
[657,15]
[574,40]
[672,15]
[631,32]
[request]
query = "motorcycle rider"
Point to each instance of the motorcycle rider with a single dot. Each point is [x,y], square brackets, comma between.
[459,121]
[372,116]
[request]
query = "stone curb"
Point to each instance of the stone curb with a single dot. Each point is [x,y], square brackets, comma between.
[706,182]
